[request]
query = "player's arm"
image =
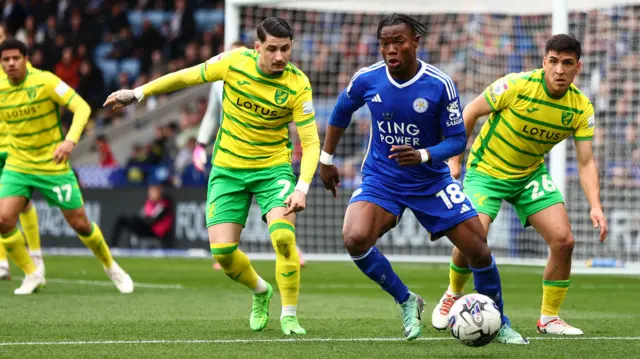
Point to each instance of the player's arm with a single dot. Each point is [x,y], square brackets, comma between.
[304,118]
[209,122]
[65,96]
[349,101]
[452,128]
[213,70]
[494,98]
[588,171]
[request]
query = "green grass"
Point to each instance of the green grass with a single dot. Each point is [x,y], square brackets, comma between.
[337,301]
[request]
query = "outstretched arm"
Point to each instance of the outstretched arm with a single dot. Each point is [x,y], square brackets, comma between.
[591,185]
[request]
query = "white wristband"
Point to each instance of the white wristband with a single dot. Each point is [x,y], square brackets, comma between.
[302,186]
[326,159]
[138,93]
[424,154]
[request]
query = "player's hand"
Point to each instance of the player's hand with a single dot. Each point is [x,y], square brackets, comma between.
[405,155]
[119,99]
[296,202]
[63,151]
[199,157]
[599,221]
[330,178]
[455,167]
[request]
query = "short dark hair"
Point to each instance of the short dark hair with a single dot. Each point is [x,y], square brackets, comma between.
[563,43]
[275,27]
[13,44]
[396,19]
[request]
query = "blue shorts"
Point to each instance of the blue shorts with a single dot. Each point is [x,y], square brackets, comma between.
[437,210]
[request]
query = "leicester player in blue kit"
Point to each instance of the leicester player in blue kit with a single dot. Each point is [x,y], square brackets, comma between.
[413,107]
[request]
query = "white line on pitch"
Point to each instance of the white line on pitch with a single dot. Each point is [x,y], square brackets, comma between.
[241,341]
[104,283]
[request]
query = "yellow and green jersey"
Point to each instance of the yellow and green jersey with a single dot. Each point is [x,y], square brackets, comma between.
[526,123]
[2,125]
[30,121]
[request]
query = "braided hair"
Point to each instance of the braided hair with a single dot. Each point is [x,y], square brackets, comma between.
[397,19]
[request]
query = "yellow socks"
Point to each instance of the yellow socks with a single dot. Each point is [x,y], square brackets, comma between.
[458,277]
[95,242]
[553,293]
[3,255]
[236,265]
[283,238]
[16,249]
[29,225]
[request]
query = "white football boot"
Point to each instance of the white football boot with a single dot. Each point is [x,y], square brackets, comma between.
[31,283]
[440,315]
[558,326]
[120,278]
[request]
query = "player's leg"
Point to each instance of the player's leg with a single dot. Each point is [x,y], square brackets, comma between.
[540,204]
[486,196]
[271,187]
[14,194]
[227,209]
[450,212]
[63,191]
[29,225]
[371,213]
[4,263]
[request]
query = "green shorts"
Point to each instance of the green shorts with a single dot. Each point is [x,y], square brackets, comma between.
[60,191]
[230,192]
[528,195]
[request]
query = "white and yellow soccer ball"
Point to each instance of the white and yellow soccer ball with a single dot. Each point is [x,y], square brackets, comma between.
[474,320]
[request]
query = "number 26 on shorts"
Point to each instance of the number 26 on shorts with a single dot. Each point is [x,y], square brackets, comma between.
[539,189]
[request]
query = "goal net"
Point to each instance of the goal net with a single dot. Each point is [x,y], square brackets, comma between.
[474,49]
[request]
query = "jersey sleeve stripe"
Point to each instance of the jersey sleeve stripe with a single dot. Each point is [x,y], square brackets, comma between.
[451,88]
[263,81]
[70,99]
[550,104]
[202,75]
[589,138]
[363,70]
[541,123]
[305,122]
[450,95]
[486,97]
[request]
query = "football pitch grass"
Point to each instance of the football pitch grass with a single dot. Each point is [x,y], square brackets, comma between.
[181,308]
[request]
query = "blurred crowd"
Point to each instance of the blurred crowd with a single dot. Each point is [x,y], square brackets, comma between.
[97,46]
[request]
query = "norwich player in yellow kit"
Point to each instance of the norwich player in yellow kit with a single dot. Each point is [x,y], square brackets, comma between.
[28,216]
[529,114]
[263,93]
[30,102]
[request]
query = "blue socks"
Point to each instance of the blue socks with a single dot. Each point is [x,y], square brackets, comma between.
[376,266]
[487,282]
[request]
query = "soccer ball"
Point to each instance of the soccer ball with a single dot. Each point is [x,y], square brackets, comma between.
[474,320]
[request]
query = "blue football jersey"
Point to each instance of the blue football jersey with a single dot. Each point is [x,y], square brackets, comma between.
[420,112]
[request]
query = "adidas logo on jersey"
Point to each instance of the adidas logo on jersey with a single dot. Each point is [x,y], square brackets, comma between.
[465,209]
[376,98]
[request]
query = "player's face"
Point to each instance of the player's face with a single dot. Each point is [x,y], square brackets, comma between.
[275,53]
[14,64]
[560,68]
[398,45]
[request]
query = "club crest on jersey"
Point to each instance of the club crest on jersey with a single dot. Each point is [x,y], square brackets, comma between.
[31,92]
[281,96]
[420,105]
[567,118]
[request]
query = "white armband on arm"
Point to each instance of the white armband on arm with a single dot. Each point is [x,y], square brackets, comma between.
[424,154]
[326,159]
[302,186]
[138,93]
